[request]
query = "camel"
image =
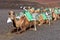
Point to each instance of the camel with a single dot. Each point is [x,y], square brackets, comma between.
[40,18]
[31,10]
[29,17]
[56,14]
[35,14]
[43,17]
[16,24]
[22,23]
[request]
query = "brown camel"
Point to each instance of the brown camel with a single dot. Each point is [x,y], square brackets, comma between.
[22,23]
[42,20]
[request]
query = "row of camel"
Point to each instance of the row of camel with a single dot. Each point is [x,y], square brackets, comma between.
[23,23]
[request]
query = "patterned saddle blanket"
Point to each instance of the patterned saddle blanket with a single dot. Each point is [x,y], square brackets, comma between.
[57,11]
[19,15]
[46,16]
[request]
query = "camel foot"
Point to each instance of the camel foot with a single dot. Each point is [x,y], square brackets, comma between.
[22,32]
[33,29]
[39,24]
[17,32]
[55,19]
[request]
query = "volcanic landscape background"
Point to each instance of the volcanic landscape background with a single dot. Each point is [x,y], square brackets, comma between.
[44,32]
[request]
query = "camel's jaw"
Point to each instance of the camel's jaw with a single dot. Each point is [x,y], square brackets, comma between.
[9,20]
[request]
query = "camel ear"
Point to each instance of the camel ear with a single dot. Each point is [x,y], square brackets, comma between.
[9,20]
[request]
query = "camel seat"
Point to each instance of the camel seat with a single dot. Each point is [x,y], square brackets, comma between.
[28,15]
[35,16]
[47,9]
[44,16]
[57,11]
[49,15]
[19,15]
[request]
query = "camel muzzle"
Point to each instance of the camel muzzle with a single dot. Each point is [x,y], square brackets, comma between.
[9,20]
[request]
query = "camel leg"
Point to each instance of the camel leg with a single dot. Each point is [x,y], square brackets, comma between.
[41,22]
[48,21]
[58,17]
[17,30]
[24,26]
[55,17]
[23,29]
[21,26]
[35,25]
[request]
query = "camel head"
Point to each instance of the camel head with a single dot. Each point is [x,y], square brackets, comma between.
[44,10]
[12,15]
[32,10]
[37,11]
[29,7]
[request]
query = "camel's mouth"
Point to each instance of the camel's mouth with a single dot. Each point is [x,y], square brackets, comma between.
[9,20]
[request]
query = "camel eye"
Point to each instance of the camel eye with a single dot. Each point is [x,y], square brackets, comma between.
[9,14]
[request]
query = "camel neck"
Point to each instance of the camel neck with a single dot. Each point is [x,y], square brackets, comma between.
[14,24]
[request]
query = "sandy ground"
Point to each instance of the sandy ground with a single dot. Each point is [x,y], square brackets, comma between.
[44,32]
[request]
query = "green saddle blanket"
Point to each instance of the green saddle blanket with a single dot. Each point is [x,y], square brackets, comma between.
[28,15]
[57,11]
[44,16]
